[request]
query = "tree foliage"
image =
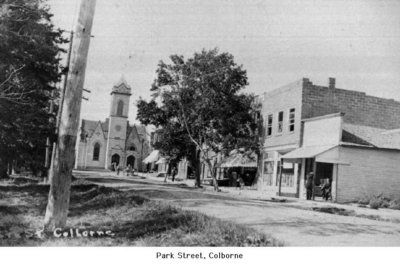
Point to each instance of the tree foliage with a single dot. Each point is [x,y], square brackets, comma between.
[29,70]
[200,99]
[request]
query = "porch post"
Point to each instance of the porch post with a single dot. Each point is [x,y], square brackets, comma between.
[314,178]
[302,179]
[280,177]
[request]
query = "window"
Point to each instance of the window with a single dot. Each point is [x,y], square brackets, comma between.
[287,177]
[291,120]
[120,108]
[269,125]
[96,152]
[280,122]
[132,148]
[268,172]
[257,116]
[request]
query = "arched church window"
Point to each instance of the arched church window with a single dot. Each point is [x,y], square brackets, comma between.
[96,152]
[132,147]
[120,108]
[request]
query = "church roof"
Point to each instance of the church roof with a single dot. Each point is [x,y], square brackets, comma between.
[104,125]
[89,126]
[141,130]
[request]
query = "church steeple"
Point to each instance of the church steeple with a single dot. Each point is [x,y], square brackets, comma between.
[121,87]
[120,95]
[118,122]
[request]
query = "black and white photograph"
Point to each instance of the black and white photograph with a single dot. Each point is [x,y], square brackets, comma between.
[201,131]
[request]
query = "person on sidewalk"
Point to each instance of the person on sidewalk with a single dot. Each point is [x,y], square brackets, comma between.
[129,170]
[239,182]
[118,169]
[173,172]
[326,188]
[309,185]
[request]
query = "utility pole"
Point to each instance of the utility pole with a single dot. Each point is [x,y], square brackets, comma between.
[49,163]
[60,179]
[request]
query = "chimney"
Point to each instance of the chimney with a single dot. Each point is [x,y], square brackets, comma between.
[332,83]
[306,82]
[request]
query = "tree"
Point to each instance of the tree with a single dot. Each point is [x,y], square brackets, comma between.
[171,138]
[201,98]
[29,70]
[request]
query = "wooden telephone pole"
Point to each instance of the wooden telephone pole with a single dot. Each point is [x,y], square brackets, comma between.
[60,178]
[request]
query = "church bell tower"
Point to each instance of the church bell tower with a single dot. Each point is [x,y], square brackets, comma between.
[118,121]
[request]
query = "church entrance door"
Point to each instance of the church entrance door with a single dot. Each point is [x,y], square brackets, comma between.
[114,159]
[130,161]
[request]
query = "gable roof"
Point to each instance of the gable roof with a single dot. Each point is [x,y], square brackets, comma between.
[370,136]
[141,130]
[104,125]
[89,126]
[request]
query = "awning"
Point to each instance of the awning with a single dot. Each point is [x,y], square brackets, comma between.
[237,159]
[153,157]
[161,161]
[306,152]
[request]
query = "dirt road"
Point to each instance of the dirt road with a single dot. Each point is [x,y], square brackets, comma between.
[294,226]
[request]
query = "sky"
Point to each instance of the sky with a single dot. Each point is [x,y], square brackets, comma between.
[277,42]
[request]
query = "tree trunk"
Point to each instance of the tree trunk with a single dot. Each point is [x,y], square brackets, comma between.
[10,167]
[197,167]
[259,172]
[212,172]
[166,173]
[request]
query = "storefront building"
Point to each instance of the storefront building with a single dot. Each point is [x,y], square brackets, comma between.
[315,128]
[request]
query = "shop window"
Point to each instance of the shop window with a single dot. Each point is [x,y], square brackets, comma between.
[268,172]
[287,177]
[291,119]
[280,122]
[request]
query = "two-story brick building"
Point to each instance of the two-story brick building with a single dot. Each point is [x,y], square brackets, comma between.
[304,121]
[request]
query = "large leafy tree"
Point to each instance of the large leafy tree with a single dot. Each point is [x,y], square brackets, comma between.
[29,70]
[170,137]
[200,99]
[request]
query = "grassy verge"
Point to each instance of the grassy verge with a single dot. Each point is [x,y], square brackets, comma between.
[134,220]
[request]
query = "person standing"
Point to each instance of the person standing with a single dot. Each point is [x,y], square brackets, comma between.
[173,171]
[118,169]
[129,170]
[309,185]
[326,189]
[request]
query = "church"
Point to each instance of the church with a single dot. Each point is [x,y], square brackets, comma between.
[114,140]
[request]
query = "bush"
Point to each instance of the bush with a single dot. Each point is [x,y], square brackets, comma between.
[365,200]
[375,203]
[381,201]
[395,204]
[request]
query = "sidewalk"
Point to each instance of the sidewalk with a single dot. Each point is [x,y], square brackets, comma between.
[319,206]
